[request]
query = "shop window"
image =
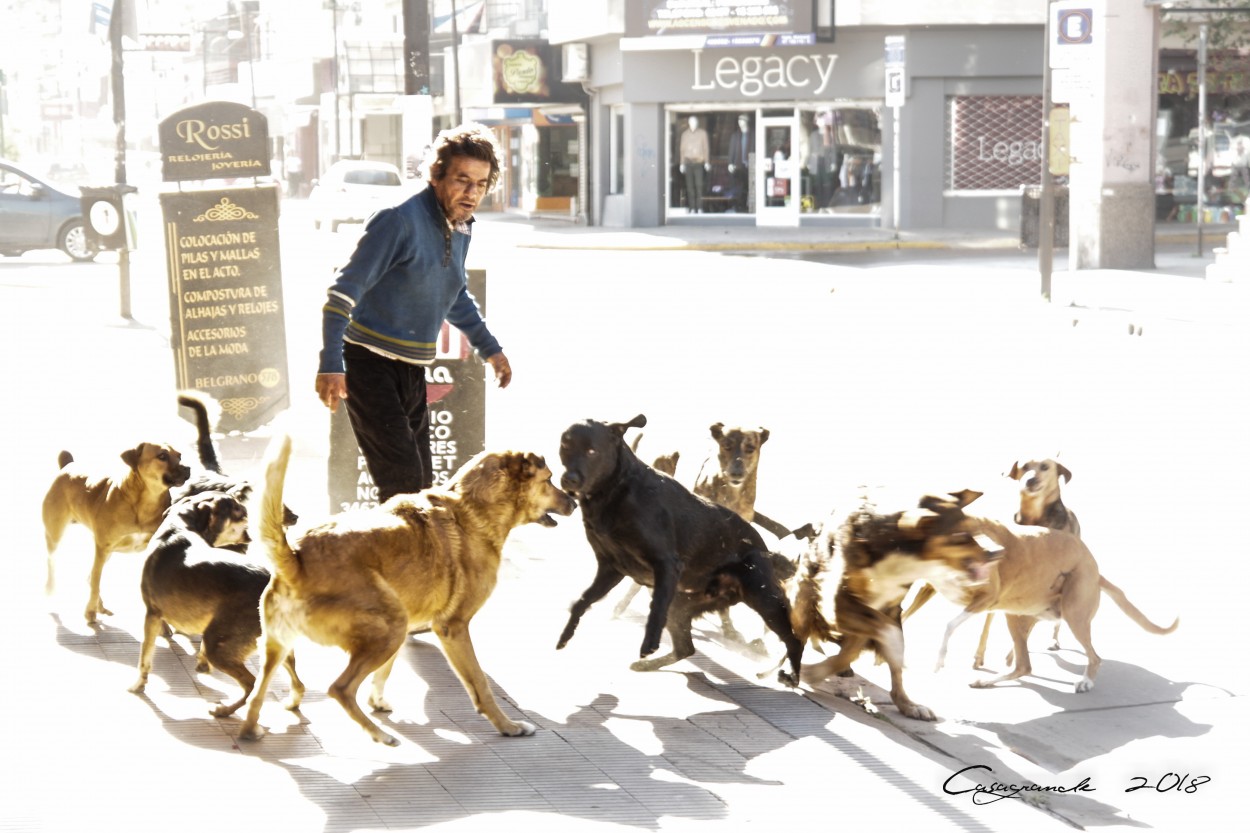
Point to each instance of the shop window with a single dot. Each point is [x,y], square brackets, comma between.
[557,152]
[993,142]
[840,160]
[708,186]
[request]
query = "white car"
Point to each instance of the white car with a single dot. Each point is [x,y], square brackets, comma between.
[352,189]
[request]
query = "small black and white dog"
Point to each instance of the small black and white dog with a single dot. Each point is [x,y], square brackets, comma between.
[195,582]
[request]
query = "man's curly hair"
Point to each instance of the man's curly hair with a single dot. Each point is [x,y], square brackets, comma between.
[471,139]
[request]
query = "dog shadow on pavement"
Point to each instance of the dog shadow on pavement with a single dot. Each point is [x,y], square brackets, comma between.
[1095,723]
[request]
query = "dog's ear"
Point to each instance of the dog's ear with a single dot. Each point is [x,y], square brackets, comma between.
[620,428]
[240,491]
[132,456]
[202,515]
[916,521]
[1015,472]
[523,466]
[965,496]
[533,465]
[718,430]
[1063,472]
[763,435]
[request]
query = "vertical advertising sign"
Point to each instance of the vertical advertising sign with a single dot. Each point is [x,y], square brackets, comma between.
[228,329]
[456,393]
[225,301]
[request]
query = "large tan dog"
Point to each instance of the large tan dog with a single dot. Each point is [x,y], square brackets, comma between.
[868,561]
[1042,574]
[122,511]
[366,578]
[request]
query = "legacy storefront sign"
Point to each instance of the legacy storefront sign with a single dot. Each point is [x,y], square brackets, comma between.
[752,76]
[226,310]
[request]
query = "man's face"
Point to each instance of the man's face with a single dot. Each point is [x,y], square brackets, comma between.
[462,186]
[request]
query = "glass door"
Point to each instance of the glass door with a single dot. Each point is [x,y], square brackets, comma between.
[777,177]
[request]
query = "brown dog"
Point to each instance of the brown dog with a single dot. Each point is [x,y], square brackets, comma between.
[366,578]
[195,582]
[869,561]
[1040,501]
[1040,505]
[731,480]
[121,511]
[1042,574]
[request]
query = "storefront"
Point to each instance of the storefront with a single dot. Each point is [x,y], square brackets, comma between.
[800,135]
[1226,162]
[515,87]
[778,163]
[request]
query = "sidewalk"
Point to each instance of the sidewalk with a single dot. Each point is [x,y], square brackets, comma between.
[703,746]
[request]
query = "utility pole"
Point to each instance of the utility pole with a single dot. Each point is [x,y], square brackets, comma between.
[416,47]
[1046,207]
[116,27]
[455,57]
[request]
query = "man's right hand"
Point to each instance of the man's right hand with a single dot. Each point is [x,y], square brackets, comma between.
[331,387]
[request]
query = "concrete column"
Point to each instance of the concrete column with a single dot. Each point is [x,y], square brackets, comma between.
[1111,197]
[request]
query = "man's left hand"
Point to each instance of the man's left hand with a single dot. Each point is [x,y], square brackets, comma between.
[503,369]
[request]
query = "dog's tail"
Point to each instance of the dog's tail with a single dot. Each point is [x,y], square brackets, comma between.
[807,616]
[270,527]
[1117,596]
[199,405]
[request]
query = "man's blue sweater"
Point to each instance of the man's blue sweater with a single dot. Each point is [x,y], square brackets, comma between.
[404,279]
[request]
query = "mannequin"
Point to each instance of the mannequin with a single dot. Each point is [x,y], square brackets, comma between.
[820,159]
[741,151]
[693,156]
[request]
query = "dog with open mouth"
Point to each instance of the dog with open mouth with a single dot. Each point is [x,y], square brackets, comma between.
[866,562]
[366,578]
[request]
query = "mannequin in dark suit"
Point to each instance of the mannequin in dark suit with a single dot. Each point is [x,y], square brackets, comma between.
[741,151]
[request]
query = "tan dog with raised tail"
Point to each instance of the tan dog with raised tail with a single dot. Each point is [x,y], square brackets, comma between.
[364,579]
[1042,574]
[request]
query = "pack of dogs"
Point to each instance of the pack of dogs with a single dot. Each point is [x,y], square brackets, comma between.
[364,579]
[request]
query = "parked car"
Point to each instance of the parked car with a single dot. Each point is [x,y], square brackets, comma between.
[352,189]
[37,214]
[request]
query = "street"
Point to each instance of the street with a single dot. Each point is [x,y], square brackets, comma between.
[876,373]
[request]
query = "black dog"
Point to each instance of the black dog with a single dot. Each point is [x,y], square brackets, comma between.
[695,555]
[212,478]
[194,583]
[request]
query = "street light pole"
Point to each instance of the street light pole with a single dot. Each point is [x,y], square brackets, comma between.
[455,58]
[1200,203]
[1046,207]
[333,5]
[118,84]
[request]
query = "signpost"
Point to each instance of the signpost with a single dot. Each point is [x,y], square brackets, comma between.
[895,97]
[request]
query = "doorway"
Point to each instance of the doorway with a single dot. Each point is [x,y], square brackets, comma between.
[777,177]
